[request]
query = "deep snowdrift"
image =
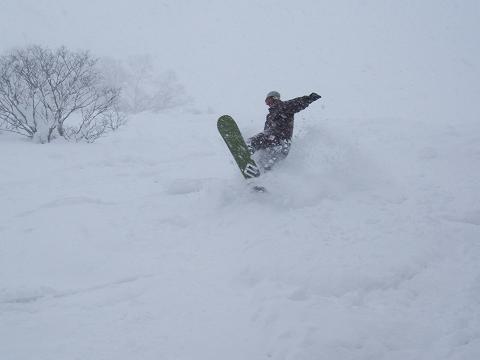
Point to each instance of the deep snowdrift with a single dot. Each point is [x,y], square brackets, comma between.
[148,244]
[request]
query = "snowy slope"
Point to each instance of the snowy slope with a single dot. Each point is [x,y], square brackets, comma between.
[148,245]
[140,247]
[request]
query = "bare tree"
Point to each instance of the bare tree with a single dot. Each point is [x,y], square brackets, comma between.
[94,122]
[41,88]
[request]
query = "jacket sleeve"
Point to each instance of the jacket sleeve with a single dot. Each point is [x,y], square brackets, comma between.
[298,104]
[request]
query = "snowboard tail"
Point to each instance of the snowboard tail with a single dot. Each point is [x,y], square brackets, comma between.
[235,142]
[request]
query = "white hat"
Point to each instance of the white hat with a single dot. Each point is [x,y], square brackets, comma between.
[274,94]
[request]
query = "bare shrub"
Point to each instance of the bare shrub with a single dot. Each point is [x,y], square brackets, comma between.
[40,89]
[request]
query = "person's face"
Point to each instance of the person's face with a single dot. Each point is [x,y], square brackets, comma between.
[269,101]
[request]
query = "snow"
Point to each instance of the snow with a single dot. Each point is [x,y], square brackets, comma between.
[148,245]
[136,247]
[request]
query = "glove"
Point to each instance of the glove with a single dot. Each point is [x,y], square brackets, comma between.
[314,96]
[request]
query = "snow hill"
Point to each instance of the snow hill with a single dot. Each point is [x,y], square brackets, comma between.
[147,244]
[366,247]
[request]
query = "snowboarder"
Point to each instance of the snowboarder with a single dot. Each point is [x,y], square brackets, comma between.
[275,140]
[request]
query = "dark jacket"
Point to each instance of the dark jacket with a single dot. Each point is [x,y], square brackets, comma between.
[280,117]
[279,125]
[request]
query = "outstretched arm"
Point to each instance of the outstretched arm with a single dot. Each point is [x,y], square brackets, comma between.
[300,103]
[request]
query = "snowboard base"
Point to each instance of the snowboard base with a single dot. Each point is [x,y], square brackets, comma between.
[228,129]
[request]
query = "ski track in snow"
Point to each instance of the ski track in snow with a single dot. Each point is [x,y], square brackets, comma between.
[40,294]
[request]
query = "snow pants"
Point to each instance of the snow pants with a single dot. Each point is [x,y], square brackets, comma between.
[272,149]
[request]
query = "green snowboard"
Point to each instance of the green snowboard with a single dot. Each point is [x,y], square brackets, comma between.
[235,142]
